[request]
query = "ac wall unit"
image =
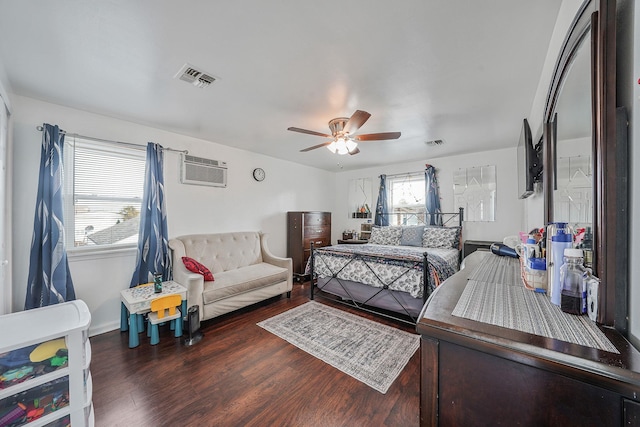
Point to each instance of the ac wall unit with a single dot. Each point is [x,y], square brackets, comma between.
[200,171]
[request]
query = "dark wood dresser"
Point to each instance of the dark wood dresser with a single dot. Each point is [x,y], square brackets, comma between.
[475,373]
[303,228]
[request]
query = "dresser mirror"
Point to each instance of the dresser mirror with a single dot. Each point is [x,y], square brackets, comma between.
[573,189]
[580,146]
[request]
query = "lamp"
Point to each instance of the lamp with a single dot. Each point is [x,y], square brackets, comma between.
[342,146]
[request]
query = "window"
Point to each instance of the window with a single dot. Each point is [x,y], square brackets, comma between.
[103,193]
[406,199]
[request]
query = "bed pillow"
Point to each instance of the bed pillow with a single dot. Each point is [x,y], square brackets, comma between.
[385,235]
[441,237]
[195,267]
[412,235]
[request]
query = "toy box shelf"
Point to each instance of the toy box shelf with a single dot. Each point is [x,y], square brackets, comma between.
[55,387]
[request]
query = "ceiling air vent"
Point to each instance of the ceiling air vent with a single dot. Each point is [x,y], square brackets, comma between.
[435,142]
[191,74]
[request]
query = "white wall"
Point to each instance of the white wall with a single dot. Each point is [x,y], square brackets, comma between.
[244,205]
[509,210]
[5,203]
[567,12]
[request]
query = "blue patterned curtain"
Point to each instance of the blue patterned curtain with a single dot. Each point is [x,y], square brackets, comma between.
[382,207]
[49,279]
[153,250]
[432,197]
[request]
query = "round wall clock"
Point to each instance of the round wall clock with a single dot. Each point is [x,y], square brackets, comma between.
[258,174]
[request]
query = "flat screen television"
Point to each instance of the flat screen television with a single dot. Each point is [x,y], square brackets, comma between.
[529,164]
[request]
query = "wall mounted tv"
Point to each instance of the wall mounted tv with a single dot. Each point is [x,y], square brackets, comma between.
[529,162]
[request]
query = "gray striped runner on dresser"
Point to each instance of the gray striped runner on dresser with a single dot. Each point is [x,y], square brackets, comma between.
[495,295]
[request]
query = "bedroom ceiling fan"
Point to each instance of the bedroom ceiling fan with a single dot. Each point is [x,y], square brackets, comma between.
[342,132]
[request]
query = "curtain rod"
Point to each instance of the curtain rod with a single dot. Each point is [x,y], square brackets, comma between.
[403,174]
[130,144]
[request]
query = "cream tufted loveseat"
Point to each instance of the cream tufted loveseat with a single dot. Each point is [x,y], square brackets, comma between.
[244,270]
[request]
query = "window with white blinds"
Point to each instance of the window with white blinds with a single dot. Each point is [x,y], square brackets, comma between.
[103,193]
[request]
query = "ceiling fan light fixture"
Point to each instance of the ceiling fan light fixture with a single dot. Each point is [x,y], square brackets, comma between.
[332,147]
[342,146]
[343,131]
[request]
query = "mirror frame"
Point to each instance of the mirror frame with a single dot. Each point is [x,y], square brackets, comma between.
[596,18]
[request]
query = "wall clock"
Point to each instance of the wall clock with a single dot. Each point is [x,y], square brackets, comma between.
[258,174]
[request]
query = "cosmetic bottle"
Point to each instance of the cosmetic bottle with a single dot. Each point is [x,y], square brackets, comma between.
[572,275]
[561,240]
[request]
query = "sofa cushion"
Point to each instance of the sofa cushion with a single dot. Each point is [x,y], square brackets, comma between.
[241,280]
[224,251]
[195,267]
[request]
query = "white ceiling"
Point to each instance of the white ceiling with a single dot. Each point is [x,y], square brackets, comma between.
[462,71]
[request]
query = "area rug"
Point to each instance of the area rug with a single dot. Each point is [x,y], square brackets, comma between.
[366,350]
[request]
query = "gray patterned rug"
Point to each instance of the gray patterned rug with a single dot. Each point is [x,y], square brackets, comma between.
[366,350]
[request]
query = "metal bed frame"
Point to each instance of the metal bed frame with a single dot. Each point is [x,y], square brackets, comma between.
[405,316]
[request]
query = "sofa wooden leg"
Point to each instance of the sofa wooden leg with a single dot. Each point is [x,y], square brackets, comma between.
[289,294]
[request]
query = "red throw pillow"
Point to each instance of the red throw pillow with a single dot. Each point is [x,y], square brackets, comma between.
[196,267]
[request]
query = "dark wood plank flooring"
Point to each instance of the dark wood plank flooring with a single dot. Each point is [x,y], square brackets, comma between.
[241,375]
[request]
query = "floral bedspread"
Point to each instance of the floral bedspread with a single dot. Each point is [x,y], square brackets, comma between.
[399,267]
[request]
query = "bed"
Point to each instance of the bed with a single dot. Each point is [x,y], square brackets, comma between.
[386,274]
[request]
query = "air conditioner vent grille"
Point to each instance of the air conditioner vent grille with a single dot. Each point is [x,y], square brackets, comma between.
[201,171]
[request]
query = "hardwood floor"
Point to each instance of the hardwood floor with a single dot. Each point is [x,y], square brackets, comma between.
[241,375]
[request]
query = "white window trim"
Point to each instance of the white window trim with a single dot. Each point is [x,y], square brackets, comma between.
[101,252]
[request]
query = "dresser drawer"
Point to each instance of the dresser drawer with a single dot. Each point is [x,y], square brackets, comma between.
[318,242]
[316,218]
[317,231]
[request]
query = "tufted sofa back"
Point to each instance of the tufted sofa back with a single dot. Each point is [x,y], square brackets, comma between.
[221,251]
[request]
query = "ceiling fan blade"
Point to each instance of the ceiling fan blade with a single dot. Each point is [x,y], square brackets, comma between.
[309,132]
[354,151]
[377,136]
[324,144]
[357,119]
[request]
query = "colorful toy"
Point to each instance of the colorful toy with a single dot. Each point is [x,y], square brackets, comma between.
[17,413]
[17,373]
[47,350]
